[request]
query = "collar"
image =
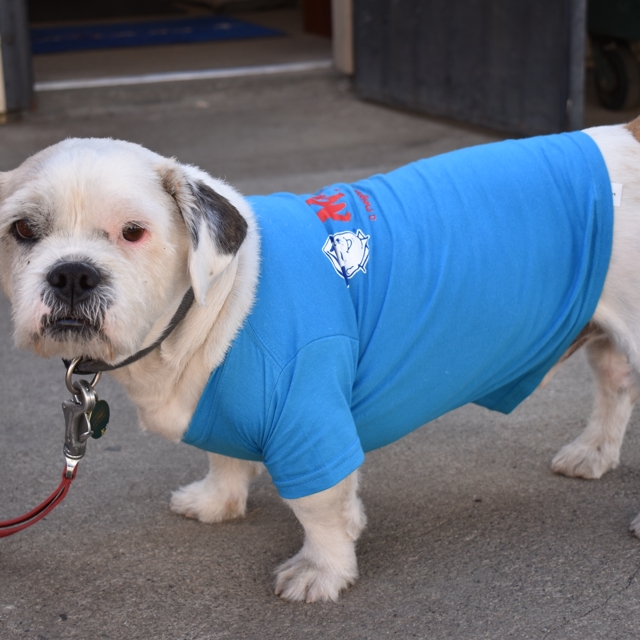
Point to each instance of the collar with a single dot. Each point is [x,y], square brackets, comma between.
[87,365]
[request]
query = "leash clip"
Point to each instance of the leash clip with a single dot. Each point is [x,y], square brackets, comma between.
[77,414]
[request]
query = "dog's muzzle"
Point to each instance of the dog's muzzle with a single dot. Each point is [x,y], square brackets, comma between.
[77,300]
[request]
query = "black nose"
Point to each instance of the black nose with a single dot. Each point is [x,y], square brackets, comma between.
[73,282]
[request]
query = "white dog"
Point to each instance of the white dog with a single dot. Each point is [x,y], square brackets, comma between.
[278,362]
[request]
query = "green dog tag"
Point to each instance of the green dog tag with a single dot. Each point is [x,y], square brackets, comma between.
[99,419]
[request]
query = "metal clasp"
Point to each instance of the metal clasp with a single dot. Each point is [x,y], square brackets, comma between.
[77,412]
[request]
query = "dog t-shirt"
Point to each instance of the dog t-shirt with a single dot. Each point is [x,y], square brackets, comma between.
[383,304]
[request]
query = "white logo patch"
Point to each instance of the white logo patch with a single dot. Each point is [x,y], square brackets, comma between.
[616,190]
[348,252]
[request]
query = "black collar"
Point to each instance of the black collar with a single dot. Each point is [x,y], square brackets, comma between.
[86,366]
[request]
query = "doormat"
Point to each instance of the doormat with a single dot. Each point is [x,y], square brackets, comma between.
[141,34]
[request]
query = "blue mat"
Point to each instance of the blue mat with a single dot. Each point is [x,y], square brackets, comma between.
[140,34]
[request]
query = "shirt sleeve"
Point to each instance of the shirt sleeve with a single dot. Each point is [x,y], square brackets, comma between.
[311,442]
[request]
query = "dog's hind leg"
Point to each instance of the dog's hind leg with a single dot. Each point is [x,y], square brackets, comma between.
[221,495]
[333,520]
[597,448]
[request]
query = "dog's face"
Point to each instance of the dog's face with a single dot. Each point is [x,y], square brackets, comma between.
[99,241]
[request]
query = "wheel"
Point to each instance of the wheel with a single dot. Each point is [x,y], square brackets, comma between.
[617,74]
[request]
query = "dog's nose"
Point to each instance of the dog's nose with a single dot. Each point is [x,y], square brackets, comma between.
[73,282]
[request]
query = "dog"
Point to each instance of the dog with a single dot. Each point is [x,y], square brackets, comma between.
[321,325]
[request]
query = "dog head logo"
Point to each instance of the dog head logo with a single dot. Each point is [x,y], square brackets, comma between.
[348,252]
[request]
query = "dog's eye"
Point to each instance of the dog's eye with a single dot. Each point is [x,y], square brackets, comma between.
[133,232]
[24,230]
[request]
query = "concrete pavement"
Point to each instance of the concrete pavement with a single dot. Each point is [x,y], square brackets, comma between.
[470,534]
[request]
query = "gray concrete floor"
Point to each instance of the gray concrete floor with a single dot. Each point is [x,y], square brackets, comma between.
[470,534]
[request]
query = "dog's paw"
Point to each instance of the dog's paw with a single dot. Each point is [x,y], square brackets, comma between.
[579,460]
[634,527]
[303,579]
[208,504]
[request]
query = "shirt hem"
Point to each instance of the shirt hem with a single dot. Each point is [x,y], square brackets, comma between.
[324,478]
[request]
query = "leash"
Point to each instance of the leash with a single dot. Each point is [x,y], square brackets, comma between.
[9,527]
[85,416]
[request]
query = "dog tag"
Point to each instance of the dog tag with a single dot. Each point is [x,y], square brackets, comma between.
[99,419]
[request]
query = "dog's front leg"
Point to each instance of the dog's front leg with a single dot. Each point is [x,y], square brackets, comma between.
[221,495]
[326,564]
[597,448]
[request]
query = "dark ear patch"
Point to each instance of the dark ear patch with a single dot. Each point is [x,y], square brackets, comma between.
[227,227]
[198,202]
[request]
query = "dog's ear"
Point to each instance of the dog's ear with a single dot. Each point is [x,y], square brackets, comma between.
[216,228]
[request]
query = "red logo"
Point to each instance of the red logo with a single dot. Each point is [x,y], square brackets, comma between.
[330,207]
[367,203]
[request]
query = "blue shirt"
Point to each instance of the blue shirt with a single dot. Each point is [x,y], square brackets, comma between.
[384,304]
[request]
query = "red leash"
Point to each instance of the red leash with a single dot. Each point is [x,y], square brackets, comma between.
[9,527]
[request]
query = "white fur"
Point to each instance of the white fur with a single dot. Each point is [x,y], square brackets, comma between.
[597,449]
[221,495]
[326,564]
[90,188]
